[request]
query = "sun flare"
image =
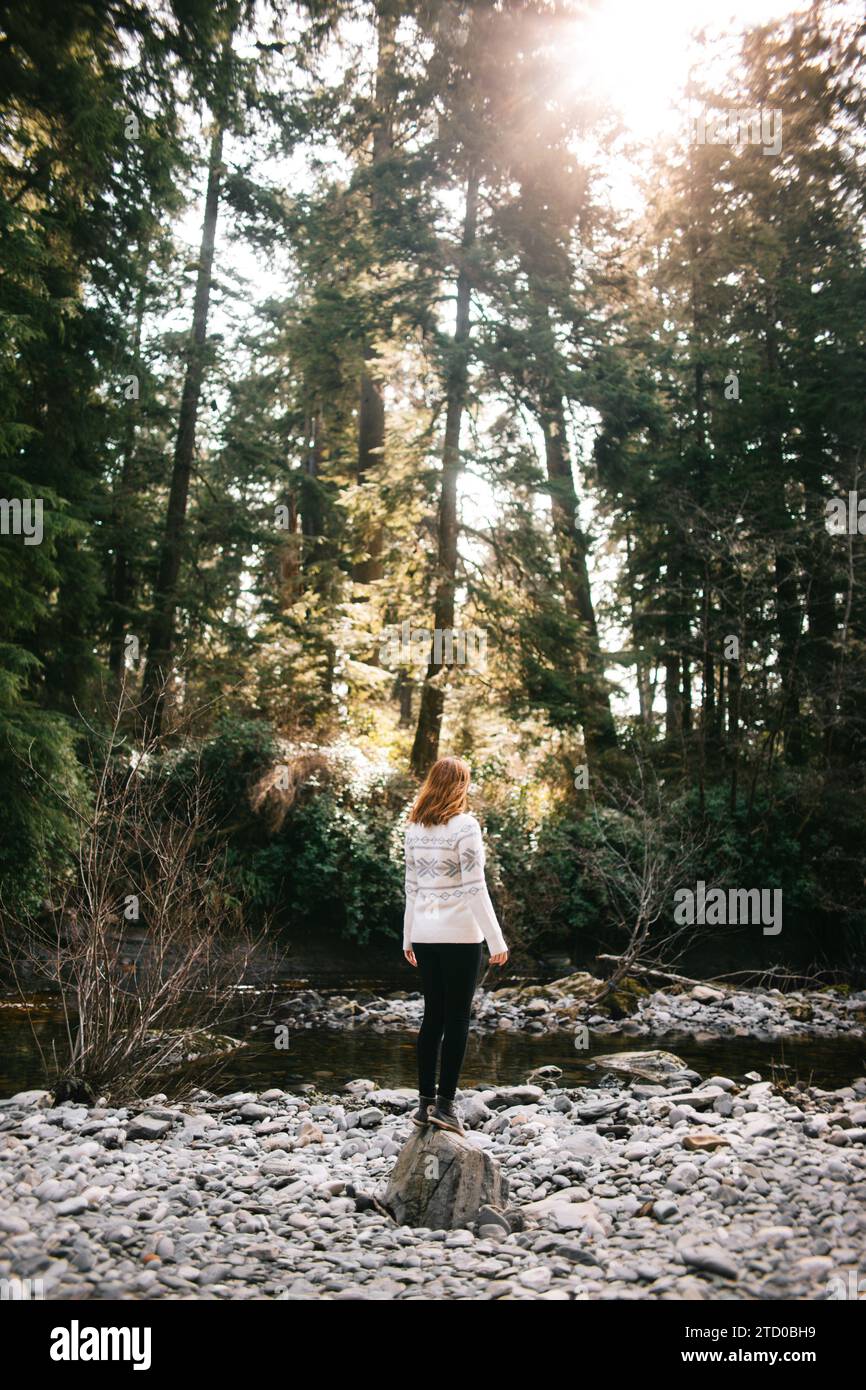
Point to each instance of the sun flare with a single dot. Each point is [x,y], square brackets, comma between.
[637,55]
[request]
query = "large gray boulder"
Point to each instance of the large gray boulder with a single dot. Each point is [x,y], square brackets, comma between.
[442,1180]
[657,1066]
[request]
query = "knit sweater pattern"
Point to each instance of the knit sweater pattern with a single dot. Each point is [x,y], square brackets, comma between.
[446,891]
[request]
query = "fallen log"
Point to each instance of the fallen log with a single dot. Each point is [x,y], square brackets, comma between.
[635,969]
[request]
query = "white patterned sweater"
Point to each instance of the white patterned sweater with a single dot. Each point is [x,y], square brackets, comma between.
[446,892]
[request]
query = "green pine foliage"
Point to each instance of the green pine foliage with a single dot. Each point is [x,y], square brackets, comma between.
[655,405]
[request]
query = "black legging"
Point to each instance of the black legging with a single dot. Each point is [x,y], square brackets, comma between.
[449,974]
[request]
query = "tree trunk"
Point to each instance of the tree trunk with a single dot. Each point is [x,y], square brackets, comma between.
[708,689]
[687,695]
[310,491]
[371,406]
[820,597]
[788,618]
[734,733]
[371,454]
[425,748]
[162,626]
[719,723]
[403,690]
[122,578]
[672,656]
[290,559]
[642,674]
[598,727]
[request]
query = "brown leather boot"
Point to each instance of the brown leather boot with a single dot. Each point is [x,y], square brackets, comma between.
[421,1116]
[444,1116]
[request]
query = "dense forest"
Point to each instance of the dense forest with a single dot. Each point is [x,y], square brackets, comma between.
[369,392]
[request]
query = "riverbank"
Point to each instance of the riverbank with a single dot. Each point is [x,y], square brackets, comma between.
[675,1188]
[699,1011]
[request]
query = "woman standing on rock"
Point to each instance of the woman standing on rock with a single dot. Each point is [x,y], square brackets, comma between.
[448,916]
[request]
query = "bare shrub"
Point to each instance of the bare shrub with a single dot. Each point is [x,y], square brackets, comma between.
[132,1010]
[636,862]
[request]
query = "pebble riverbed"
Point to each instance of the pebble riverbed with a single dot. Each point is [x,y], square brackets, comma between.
[692,1189]
[702,1011]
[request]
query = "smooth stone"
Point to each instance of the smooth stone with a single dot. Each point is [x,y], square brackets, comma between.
[147,1127]
[39,1100]
[708,1257]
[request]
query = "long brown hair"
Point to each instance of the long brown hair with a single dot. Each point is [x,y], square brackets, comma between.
[444,792]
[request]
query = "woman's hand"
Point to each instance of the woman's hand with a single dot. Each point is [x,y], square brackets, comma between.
[499,959]
[410,956]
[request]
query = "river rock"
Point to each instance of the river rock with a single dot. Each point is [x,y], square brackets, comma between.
[12,1225]
[700,1140]
[544,1076]
[505,1096]
[147,1127]
[474,1111]
[37,1099]
[707,1257]
[654,1066]
[774,1217]
[442,1181]
[585,1141]
[492,1216]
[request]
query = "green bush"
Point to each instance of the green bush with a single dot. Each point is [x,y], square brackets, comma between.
[331,861]
[333,857]
[42,784]
[537,879]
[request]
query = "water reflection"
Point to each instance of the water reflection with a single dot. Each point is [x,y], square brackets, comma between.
[327,1058]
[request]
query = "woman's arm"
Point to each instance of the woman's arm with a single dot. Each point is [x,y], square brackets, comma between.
[472,861]
[411,884]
